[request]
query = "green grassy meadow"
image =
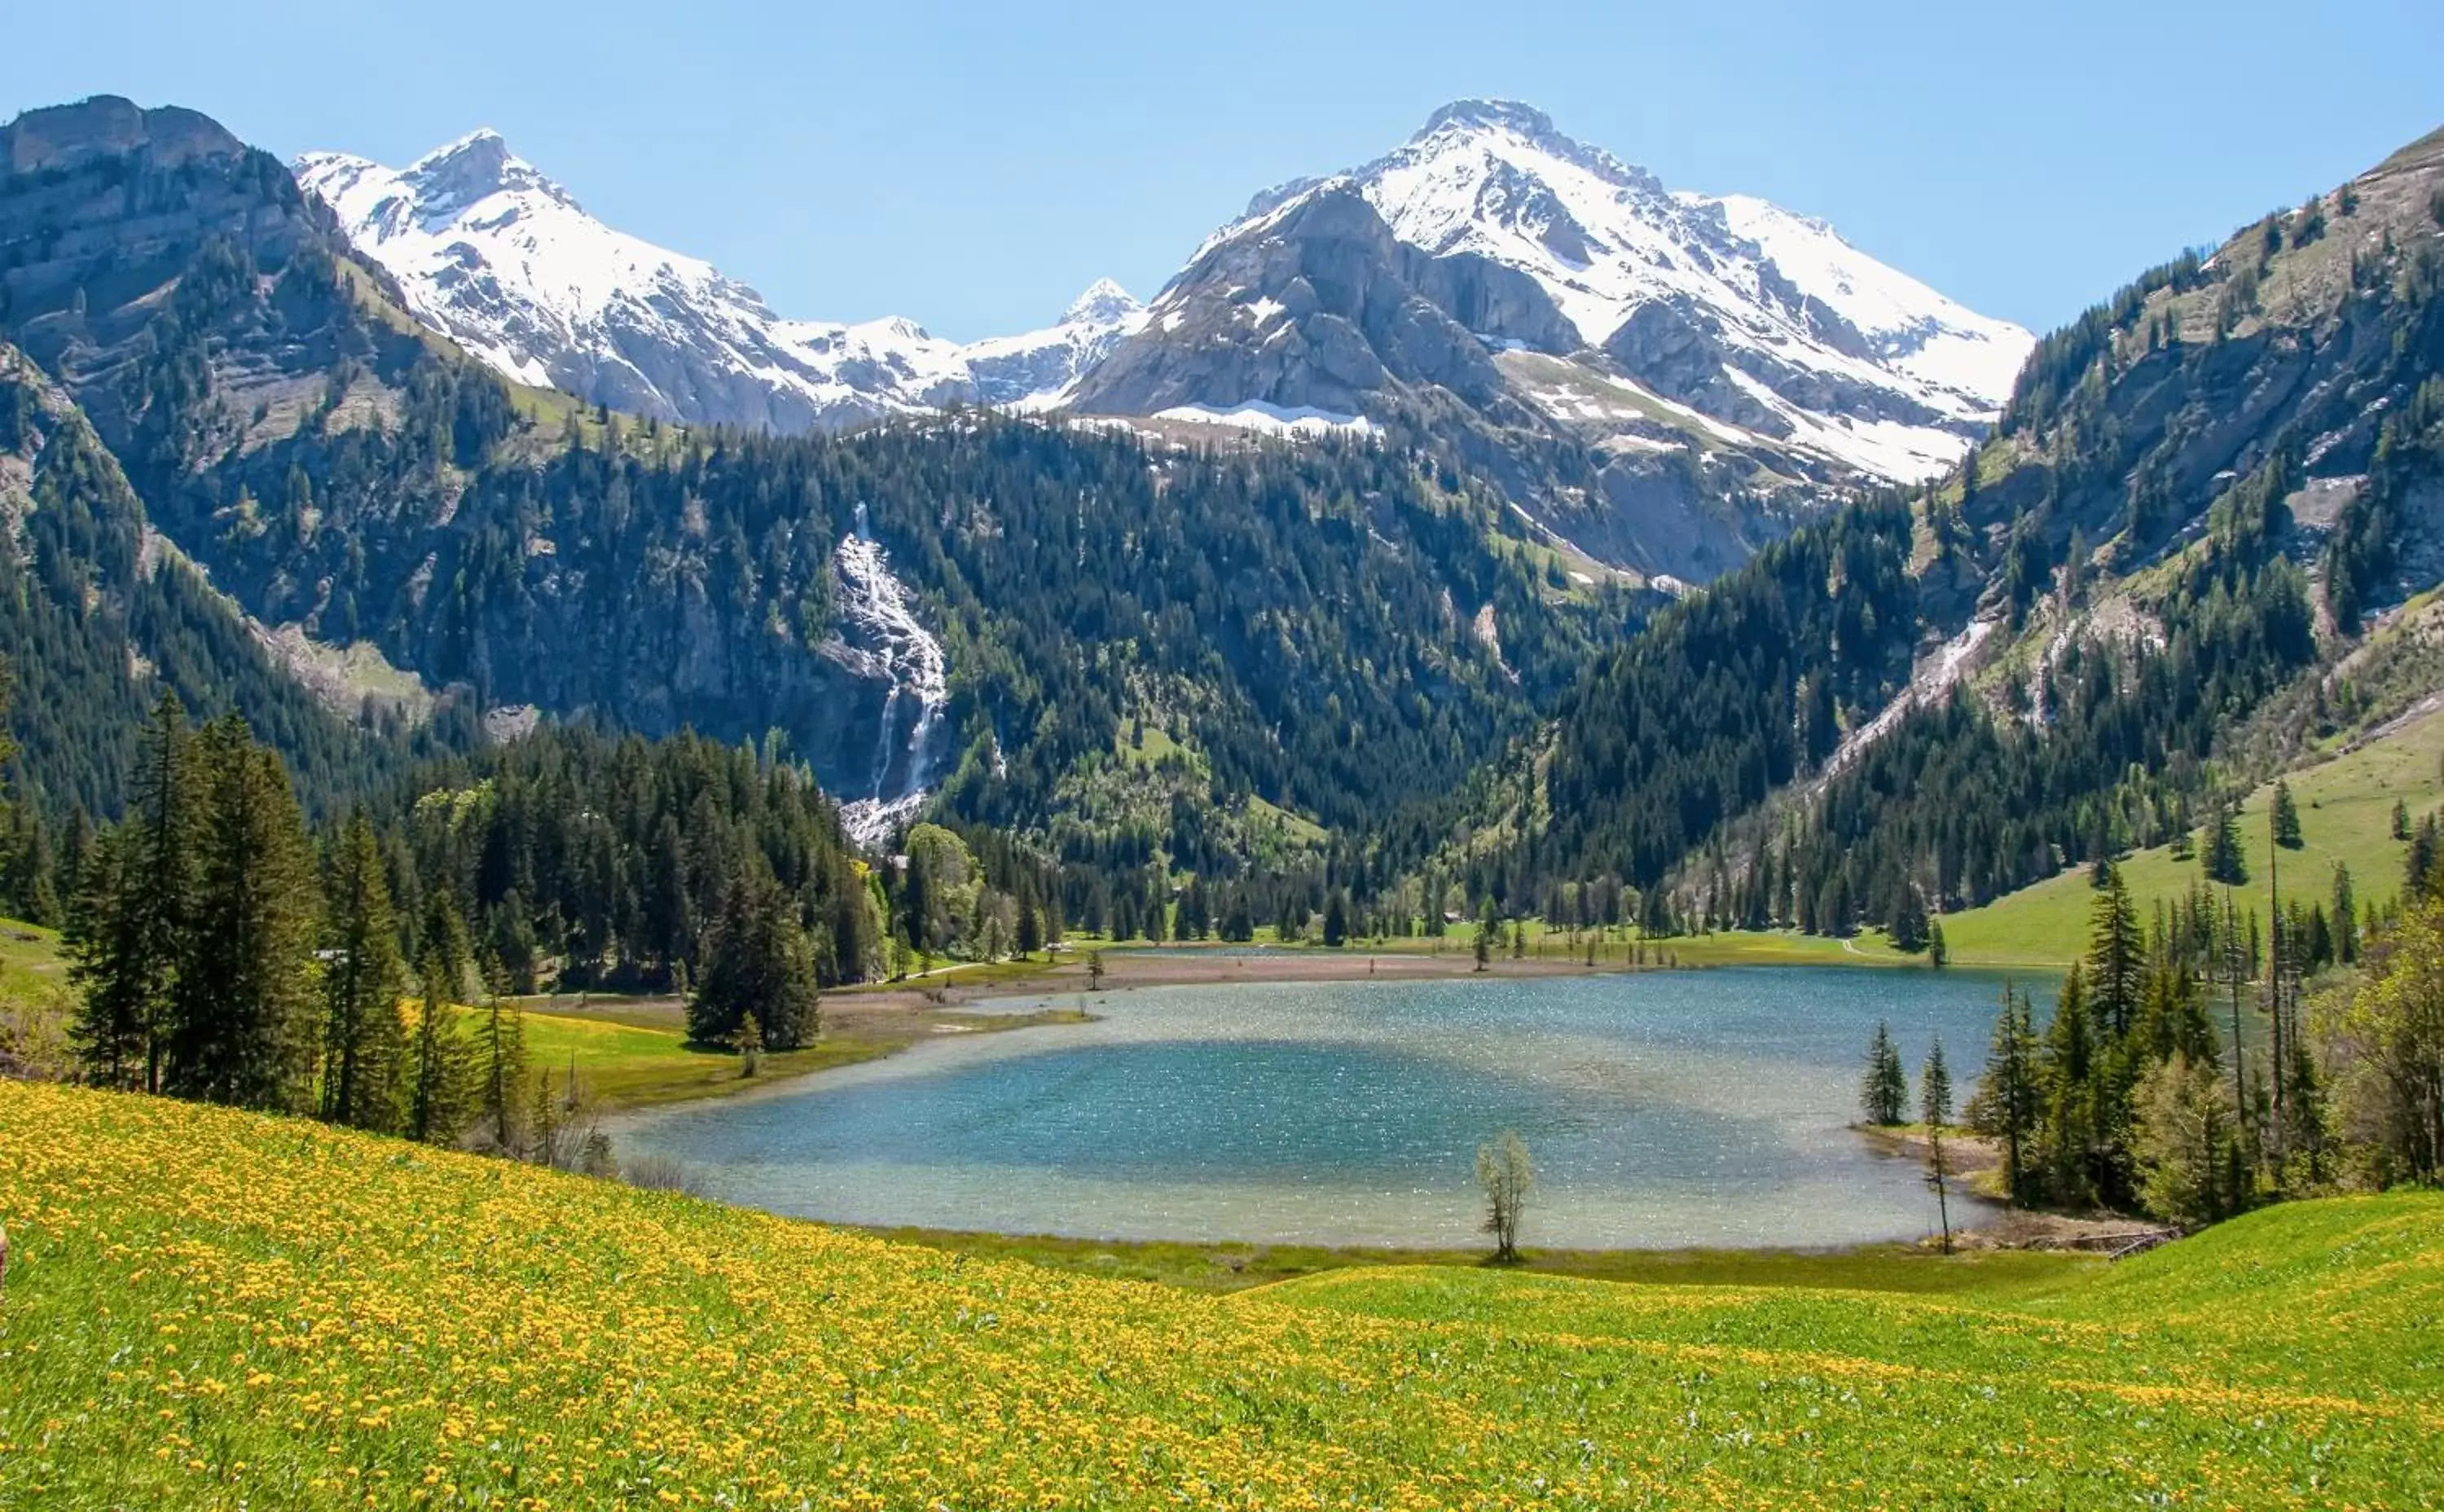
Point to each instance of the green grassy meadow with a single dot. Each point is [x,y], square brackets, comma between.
[209,1309]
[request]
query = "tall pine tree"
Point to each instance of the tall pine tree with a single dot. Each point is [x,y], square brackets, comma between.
[244,1004]
[364,1051]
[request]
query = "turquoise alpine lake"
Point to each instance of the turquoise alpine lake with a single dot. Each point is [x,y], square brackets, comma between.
[1662,1109]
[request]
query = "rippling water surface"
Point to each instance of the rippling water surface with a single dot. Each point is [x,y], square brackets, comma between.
[1662,1109]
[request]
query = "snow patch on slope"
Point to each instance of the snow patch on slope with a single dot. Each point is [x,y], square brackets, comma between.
[1930,680]
[1913,327]
[1271,420]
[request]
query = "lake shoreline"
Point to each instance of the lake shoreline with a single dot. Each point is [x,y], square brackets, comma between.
[1279,1098]
[1226,1266]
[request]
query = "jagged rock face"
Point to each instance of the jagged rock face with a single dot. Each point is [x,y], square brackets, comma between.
[103,206]
[69,137]
[2303,353]
[1320,316]
[507,262]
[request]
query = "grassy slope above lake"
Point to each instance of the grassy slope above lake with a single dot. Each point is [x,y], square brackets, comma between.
[208,1308]
[2345,803]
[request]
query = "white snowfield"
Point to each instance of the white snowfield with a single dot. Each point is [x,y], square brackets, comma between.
[1605,240]
[506,262]
[1272,420]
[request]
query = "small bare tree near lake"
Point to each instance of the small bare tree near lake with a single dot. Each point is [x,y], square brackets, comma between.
[1506,1173]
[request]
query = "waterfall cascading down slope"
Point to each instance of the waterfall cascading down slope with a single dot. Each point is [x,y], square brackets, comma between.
[881,639]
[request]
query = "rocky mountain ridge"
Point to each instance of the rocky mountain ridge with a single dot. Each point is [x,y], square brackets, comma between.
[1664,380]
[1531,241]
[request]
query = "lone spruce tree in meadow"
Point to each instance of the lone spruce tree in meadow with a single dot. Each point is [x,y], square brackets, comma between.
[2286,819]
[1884,1091]
[1934,1107]
[2223,861]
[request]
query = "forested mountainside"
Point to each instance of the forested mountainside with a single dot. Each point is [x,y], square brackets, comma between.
[1134,653]
[1287,669]
[99,614]
[2199,496]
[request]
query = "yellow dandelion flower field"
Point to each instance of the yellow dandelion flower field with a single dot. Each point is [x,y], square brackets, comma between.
[212,1309]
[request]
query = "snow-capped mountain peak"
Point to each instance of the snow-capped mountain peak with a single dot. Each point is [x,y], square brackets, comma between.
[1751,313]
[1103,304]
[1036,370]
[1463,122]
[499,257]
[475,167]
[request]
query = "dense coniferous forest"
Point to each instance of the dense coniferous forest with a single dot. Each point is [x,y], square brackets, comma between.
[2111,748]
[1321,627]
[95,609]
[613,861]
[1734,694]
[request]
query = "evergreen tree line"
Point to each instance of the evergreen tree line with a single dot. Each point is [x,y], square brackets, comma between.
[224,951]
[2184,1072]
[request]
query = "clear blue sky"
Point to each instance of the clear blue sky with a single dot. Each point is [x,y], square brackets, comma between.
[974,166]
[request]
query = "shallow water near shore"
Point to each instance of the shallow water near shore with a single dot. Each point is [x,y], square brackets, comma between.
[1663,1108]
